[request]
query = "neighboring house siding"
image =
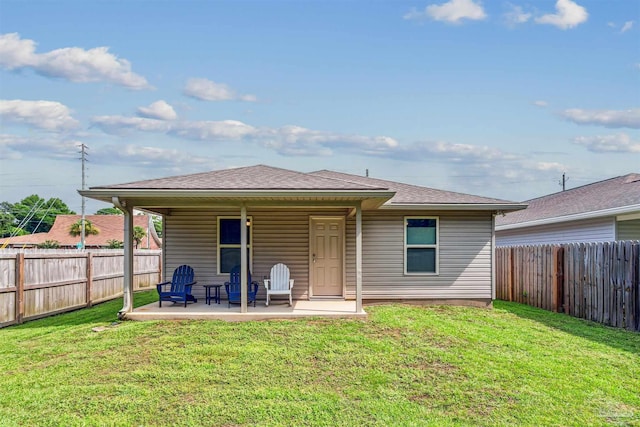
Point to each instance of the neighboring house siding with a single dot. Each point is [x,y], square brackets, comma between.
[593,230]
[283,236]
[628,230]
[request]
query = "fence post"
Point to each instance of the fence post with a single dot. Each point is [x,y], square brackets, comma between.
[89,278]
[510,273]
[19,287]
[555,275]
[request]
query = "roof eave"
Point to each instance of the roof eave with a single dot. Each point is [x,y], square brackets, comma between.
[574,217]
[504,207]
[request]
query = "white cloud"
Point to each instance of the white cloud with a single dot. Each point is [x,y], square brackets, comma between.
[626,27]
[298,141]
[212,130]
[158,110]
[147,156]
[287,140]
[619,143]
[453,11]
[568,15]
[607,118]
[47,115]
[120,124]
[485,163]
[70,63]
[17,147]
[515,16]
[196,130]
[540,103]
[207,90]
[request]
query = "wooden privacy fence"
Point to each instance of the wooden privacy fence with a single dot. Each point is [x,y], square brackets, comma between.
[593,281]
[40,283]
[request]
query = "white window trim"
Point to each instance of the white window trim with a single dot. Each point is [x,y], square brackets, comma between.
[436,246]
[249,242]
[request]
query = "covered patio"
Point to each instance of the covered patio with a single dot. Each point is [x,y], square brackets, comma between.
[202,311]
[259,197]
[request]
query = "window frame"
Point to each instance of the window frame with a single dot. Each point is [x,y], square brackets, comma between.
[435,246]
[234,245]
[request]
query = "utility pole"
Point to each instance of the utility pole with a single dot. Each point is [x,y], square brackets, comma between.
[83,157]
[563,182]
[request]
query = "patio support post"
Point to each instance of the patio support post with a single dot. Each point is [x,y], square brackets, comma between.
[127,306]
[244,283]
[358,257]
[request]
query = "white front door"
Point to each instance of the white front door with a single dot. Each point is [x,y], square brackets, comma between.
[326,269]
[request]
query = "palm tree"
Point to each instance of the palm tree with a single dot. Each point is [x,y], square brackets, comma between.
[89,229]
[115,244]
[138,234]
[49,244]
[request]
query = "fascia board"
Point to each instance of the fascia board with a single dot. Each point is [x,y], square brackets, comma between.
[232,194]
[455,206]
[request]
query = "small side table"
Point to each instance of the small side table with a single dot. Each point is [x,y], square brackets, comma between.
[216,294]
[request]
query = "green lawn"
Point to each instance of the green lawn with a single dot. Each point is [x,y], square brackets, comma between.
[404,365]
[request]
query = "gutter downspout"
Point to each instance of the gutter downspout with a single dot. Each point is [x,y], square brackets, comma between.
[493,256]
[127,293]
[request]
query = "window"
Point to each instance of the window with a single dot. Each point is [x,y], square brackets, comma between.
[421,245]
[229,243]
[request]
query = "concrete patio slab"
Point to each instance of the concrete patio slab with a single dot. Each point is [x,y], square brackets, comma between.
[277,310]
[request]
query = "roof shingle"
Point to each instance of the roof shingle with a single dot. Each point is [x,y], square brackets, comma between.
[258,177]
[612,193]
[412,194]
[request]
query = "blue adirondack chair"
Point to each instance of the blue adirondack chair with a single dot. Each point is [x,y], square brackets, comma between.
[233,287]
[179,288]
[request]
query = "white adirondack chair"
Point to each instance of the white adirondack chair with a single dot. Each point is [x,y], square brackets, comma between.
[279,282]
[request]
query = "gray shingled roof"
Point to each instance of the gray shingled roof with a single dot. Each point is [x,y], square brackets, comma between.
[599,196]
[258,177]
[413,194]
[266,178]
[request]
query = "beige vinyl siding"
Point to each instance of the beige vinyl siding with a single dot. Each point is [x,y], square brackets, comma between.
[465,258]
[628,230]
[278,236]
[281,235]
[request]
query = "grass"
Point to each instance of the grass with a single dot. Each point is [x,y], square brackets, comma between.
[405,365]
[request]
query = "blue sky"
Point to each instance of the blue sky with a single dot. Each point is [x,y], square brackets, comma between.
[495,98]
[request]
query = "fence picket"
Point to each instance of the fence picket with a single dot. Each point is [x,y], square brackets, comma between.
[593,281]
[53,281]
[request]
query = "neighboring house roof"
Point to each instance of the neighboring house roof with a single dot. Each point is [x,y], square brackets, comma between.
[615,196]
[269,183]
[111,228]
